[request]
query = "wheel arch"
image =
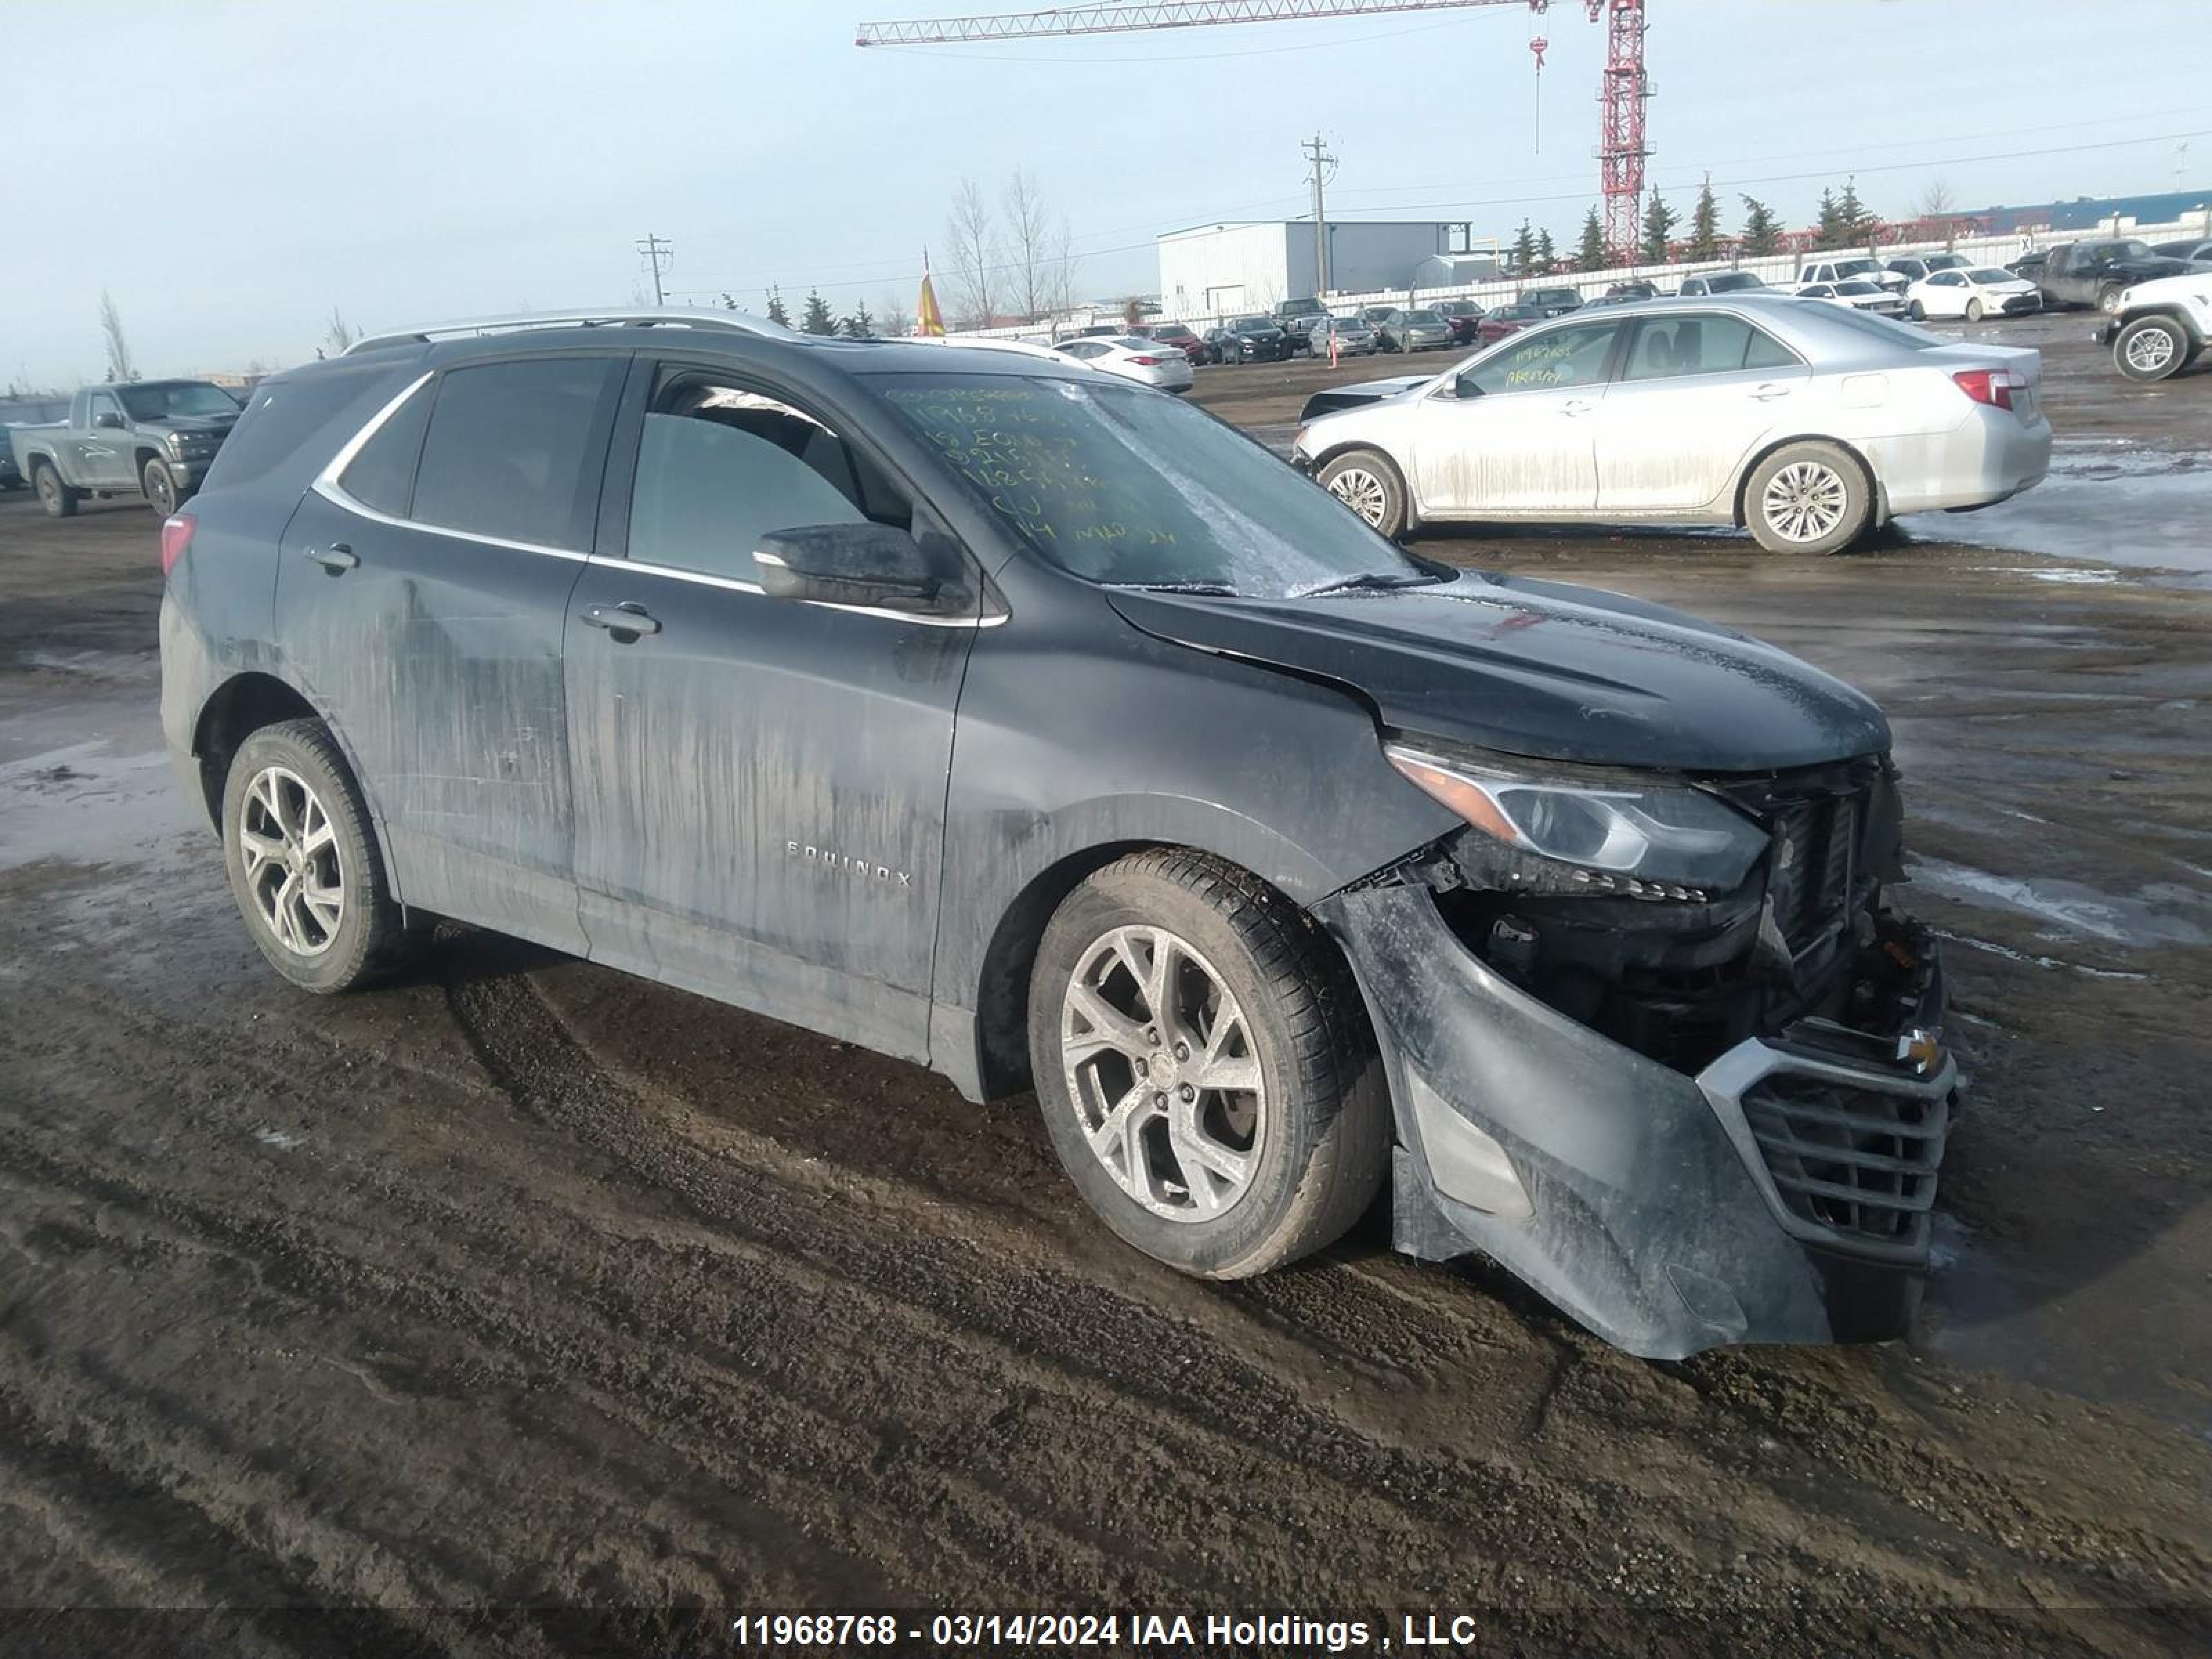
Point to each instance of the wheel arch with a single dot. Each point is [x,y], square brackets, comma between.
[1759,458]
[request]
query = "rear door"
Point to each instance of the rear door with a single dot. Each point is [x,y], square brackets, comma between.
[420,602]
[1515,433]
[760,782]
[1696,393]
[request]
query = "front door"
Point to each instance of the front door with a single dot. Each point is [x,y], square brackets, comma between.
[760,782]
[1514,434]
[1696,393]
[104,452]
[421,607]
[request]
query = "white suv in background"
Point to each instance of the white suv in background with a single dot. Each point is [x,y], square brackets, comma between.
[1850,268]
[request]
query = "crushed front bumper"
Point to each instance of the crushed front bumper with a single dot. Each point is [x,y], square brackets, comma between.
[1779,1195]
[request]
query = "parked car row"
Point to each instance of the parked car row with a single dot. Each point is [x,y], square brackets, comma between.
[2098,271]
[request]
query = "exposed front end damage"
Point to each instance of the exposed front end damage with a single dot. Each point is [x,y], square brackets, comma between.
[1687,1117]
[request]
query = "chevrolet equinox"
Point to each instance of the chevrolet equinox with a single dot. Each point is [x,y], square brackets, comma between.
[1040,729]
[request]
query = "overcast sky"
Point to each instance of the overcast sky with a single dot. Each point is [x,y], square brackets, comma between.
[230,171]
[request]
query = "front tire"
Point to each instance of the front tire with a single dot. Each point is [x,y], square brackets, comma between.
[2151,348]
[1916,311]
[1205,1067]
[305,871]
[1808,498]
[56,497]
[1973,311]
[1367,482]
[158,487]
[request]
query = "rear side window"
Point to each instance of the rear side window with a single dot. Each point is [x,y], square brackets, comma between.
[1674,346]
[514,450]
[382,474]
[285,415]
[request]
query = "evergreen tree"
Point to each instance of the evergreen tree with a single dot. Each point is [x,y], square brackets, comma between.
[860,325]
[1833,231]
[1547,257]
[1524,248]
[1762,234]
[1659,222]
[1590,255]
[1705,224]
[816,319]
[776,314]
[1852,219]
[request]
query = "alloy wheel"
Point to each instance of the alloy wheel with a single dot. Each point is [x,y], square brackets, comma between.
[1362,491]
[293,871]
[2149,350]
[1160,1064]
[1805,501]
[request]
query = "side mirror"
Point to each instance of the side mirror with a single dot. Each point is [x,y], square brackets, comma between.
[870,564]
[108,417]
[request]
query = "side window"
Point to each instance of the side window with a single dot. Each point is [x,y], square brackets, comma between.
[102,403]
[1555,360]
[1763,351]
[718,466]
[382,474]
[1667,348]
[514,449]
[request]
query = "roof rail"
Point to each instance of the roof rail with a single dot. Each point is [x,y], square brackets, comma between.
[619,317]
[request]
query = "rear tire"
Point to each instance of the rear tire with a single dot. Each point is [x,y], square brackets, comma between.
[56,497]
[158,487]
[1808,498]
[305,869]
[2152,348]
[2108,297]
[1223,1182]
[1367,482]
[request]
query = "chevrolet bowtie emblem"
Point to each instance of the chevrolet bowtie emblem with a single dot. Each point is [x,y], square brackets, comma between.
[1922,1048]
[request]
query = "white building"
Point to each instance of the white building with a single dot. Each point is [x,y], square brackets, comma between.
[1229,270]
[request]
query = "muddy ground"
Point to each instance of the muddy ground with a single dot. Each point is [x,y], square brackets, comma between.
[520,1283]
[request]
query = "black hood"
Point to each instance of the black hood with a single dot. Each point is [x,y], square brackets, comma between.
[1541,669]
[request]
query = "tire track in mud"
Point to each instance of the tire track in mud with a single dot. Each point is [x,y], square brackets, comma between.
[1040,1439]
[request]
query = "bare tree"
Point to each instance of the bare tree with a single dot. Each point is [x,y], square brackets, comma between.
[1062,272]
[119,366]
[339,335]
[1936,200]
[894,319]
[1037,247]
[973,252]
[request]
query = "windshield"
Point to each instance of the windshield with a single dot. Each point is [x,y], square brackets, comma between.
[1125,486]
[1254,325]
[1990,274]
[1855,267]
[1895,333]
[1732,282]
[1423,317]
[1171,331]
[160,400]
[1856,288]
[1301,308]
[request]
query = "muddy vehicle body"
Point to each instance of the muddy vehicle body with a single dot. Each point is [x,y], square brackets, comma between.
[150,438]
[1040,730]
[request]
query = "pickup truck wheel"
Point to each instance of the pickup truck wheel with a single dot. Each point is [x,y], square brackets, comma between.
[2108,297]
[2151,348]
[1366,481]
[160,489]
[56,497]
[1808,498]
[303,869]
[1205,1067]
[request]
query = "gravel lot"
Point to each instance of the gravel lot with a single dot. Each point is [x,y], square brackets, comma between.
[524,1284]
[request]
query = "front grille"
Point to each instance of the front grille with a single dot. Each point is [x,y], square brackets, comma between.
[1855,1163]
[1816,852]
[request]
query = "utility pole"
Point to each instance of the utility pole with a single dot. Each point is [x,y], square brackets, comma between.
[659,253]
[1320,157]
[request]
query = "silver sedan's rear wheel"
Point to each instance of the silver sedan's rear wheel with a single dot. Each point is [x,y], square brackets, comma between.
[1808,498]
[1205,1067]
[1367,482]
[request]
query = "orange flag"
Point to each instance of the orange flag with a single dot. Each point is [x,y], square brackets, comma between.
[929,321]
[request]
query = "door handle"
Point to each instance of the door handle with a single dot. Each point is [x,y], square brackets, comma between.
[627,617]
[1575,406]
[1768,392]
[338,558]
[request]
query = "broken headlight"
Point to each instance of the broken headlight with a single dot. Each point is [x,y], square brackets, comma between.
[1630,832]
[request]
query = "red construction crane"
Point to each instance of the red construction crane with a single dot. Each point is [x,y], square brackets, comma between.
[1621,144]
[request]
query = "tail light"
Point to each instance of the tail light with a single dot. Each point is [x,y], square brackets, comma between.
[1994,386]
[176,538]
[1146,362]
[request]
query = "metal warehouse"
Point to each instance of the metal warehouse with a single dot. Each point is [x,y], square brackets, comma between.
[1215,271]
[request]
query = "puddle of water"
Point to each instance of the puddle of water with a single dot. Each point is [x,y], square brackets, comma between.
[88,802]
[2150,918]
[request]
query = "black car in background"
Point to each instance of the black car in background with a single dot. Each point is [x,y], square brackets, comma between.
[1248,340]
[1552,301]
[2096,273]
[1036,728]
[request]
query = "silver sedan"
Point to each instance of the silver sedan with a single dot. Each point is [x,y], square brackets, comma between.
[1807,424]
[1353,338]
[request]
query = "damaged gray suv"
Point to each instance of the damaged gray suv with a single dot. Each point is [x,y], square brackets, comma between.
[1042,730]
